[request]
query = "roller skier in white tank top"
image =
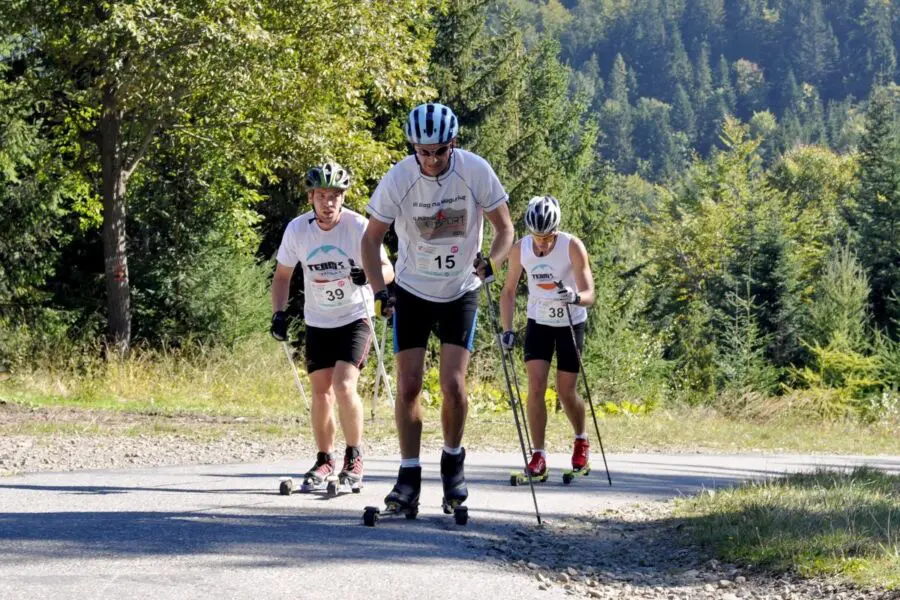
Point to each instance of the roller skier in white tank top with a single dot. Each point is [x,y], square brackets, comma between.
[558,272]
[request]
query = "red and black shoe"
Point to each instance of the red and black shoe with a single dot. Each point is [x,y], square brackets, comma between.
[317,477]
[352,473]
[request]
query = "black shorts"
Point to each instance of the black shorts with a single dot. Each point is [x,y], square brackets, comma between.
[540,341]
[349,343]
[415,319]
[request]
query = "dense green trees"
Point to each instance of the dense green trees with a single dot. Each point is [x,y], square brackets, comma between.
[733,167]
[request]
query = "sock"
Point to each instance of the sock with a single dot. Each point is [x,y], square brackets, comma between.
[581,436]
[541,452]
[453,451]
[410,462]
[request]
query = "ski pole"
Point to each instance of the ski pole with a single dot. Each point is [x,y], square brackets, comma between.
[290,360]
[587,389]
[381,369]
[379,354]
[512,402]
[378,374]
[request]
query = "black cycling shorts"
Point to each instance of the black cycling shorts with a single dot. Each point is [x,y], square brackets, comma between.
[349,343]
[540,340]
[453,322]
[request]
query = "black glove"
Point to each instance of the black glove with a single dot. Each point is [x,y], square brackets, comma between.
[279,326]
[486,266]
[384,304]
[508,340]
[357,274]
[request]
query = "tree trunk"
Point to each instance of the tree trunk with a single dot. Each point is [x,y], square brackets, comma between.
[118,291]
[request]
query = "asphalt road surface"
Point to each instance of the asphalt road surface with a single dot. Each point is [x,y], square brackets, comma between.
[225,532]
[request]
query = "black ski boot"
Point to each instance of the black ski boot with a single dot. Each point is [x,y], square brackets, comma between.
[453,478]
[403,499]
[405,495]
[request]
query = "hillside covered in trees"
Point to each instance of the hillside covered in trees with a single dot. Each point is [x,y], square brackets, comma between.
[732,166]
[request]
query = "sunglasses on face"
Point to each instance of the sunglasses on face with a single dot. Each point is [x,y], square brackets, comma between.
[542,239]
[438,152]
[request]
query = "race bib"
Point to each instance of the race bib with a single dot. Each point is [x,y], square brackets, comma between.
[332,295]
[438,261]
[551,312]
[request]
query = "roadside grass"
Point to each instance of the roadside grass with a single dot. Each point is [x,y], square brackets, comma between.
[832,523]
[251,387]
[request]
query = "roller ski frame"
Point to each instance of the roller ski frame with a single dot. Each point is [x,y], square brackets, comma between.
[372,514]
[521,477]
[288,487]
[570,475]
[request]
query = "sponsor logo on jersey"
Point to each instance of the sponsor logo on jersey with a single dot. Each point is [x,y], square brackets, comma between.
[542,275]
[446,223]
[329,266]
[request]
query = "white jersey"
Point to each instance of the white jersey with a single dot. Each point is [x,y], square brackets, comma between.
[439,222]
[331,299]
[542,273]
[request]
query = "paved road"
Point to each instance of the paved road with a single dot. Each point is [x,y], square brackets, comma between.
[224,532]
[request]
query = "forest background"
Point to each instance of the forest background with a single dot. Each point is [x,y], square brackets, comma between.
[732,166]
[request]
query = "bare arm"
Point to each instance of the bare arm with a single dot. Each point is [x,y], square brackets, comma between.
[371,254]
[281,286]
[581,268]
[387,269]
[508,295]
[503,233]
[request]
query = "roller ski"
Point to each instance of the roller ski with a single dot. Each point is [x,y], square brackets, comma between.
[581,465]
[318,478]
[402,500]
[453,479]
[537,469]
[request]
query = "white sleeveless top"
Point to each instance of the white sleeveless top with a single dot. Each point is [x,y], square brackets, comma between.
[331,299]
[543,272]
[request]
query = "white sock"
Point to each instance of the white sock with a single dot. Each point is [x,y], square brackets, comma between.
[410,462]
[453,451]
[581,436]
[541,452]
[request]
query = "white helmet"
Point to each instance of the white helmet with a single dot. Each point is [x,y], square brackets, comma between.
[542,215]
[431,123]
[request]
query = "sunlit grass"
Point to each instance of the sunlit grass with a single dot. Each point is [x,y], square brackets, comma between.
[833,523]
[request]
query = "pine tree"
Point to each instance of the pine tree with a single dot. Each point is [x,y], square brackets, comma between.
[683,117]
[876,219]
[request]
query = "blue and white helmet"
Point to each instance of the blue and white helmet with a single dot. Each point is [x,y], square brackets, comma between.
[542,215]
[431,123]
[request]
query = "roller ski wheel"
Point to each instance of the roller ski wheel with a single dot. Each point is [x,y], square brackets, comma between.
[372,514]
[571,475]
[286,487]
[340,485]
[521,478]
[460,513]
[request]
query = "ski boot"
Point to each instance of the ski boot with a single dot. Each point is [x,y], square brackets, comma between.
[537,469]
[317,478]
[402,500]
[453,478]
[581,464]
[351,475]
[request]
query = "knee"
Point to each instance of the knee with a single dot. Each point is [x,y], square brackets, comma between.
[409,386]
[344,389]
[453,388]
[568,396]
